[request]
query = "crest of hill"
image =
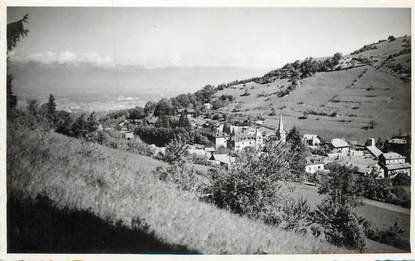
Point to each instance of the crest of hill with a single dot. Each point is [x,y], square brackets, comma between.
[355,96]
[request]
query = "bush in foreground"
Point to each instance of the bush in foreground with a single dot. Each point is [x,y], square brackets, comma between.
[120,187]
[340,224]
[251,185]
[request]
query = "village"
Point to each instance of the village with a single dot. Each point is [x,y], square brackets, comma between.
[230,139]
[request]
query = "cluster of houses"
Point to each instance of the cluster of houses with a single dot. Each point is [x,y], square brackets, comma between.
[231,138]
[365,158]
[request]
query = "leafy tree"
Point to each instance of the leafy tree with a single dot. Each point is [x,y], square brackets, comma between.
[163,107]
[297,153]
[64,123]
[184,122]
[136,113]
[374,188]
[340,224]
[227,128]
[391,38]
[176,150]
[92,123]
[401,179]
[149,108]
[380,144]
[80,126]
[296,215]
[33,107]
[15,32]
[163,121]
[51,109]
[342,185]
[337,57]
[251,186]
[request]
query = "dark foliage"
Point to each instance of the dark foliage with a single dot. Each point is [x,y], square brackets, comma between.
[297,150]
[251,186]
[391,236]
[15,32]
[341,226]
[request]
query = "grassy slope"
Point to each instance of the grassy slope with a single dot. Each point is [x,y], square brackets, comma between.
[376,95]
[386,48]
[377,216]
[119,186]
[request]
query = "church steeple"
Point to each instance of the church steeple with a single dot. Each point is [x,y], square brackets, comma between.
[281,133]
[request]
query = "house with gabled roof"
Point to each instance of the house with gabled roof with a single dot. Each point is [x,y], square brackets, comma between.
[393,163]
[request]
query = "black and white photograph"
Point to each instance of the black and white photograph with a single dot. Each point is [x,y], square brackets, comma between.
[208,130]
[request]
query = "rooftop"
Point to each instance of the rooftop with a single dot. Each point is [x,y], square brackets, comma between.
[374,151]
[397,141]
[397,166]
[339,143]
[310,136]
[223,158]
[393,155]
[314,160]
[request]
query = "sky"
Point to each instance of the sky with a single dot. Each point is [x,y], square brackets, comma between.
[187,37]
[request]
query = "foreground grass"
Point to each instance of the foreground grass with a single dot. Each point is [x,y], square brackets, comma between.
[379,217]
[119,187]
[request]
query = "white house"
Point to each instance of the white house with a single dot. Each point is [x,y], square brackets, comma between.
[222,159]
[311,140]
[221,139]
[252,139]
[393,163]
[340,148]
[208,106]
[314,164]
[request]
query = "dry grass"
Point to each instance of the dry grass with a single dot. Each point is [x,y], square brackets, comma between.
[387,103]
[380,217]
[118,186]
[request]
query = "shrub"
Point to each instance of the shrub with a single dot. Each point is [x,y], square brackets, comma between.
[374,188]
[391,236]
[184,176]
[176,150]
[340,225]
[251,186]
[401,179]
[391,38]
[282,93]
[296,215]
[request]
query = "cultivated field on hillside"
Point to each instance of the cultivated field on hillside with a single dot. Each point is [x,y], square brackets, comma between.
[347,101]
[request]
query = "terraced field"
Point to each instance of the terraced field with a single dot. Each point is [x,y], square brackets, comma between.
[354,97]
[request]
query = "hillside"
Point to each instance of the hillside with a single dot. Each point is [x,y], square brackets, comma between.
[118,188]
[338,103]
